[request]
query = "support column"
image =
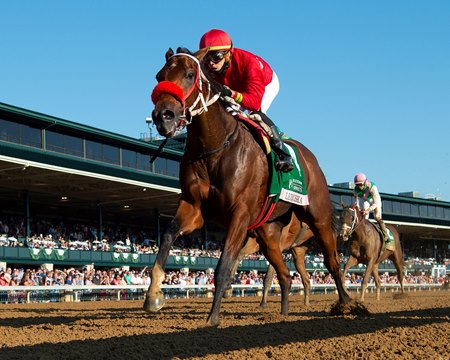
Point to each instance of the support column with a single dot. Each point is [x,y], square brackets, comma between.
[99,222]
[205,236]
[26,213]
[158,227]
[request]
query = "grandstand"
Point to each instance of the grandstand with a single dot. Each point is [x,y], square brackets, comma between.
[59,170]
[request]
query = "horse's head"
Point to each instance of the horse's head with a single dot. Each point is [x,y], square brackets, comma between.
[347,221]
[179,94]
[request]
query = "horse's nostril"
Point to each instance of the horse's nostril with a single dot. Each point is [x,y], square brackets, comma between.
[167,115]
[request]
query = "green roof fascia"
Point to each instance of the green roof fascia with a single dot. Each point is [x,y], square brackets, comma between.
[72,162]
[86,129]
[385,196]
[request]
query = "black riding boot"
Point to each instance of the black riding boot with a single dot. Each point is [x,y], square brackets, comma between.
[383,228]
[284,162]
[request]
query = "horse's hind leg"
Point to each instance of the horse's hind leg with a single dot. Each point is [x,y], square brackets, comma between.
[299,259]
[270,237]
[268,278]
[397,258]
[365,280]
[327,239]
[233,243]
[249,248]
[376,277]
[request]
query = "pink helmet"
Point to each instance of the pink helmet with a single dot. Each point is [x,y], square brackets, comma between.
[215,40]
[360,178]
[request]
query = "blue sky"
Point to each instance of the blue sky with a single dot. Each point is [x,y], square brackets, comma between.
[365,85]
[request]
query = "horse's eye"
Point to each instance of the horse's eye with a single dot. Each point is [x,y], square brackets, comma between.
[190,75]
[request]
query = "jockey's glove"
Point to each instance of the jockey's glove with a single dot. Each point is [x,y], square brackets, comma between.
[237,96]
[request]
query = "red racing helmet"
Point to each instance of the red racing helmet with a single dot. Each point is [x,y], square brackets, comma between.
[216,40]
[360,178]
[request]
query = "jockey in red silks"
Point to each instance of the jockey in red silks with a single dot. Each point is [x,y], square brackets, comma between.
[367,191]
[248,79]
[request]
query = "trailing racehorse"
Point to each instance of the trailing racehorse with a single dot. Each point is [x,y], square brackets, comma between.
[366,246]
[295,237]
[224,176]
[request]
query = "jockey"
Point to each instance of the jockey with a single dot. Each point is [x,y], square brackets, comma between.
[247,79]
[367,191]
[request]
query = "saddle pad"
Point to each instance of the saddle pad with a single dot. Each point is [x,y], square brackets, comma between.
[389,244]
[290,186]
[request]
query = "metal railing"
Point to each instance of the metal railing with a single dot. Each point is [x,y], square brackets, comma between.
[69,293]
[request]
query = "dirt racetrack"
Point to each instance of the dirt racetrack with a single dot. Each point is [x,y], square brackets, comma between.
[417,327]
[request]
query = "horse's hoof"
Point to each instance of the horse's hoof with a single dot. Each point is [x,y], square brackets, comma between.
[212,322]
[154,304]
[263,305]
[349,308]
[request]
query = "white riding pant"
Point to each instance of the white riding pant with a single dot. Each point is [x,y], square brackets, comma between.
[377,213]
[270,92]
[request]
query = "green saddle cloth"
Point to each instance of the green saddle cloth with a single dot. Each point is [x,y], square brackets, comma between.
[389,244]
[290,186]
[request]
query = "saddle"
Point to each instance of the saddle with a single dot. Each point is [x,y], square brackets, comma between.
[389,243]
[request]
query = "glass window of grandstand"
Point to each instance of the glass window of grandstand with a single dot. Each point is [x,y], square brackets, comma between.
[166,167]
[396,207]
[387,206]
[135,160]
[414,208]
[347,200]
[406,208]
[20,133]
[62,143]
[336,200]
[439,212]
[102,152]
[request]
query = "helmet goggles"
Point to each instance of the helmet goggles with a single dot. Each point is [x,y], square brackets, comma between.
[216,56]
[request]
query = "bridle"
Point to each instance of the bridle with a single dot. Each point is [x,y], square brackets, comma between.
[200,104]
[355,222]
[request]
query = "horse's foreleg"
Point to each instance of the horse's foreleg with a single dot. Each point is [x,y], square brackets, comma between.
[299,259]
[233,243]
[154,299]
[188,219]
[367,273]
[268,279]
[352,261]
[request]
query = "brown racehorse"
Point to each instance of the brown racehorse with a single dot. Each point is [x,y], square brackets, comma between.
[366,247]
[295,237]
[224,176]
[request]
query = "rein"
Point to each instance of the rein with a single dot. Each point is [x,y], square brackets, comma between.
[221,147]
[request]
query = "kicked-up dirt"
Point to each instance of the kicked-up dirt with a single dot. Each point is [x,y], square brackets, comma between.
[414,327]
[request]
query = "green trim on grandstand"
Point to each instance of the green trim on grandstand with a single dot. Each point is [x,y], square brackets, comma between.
[48,121]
